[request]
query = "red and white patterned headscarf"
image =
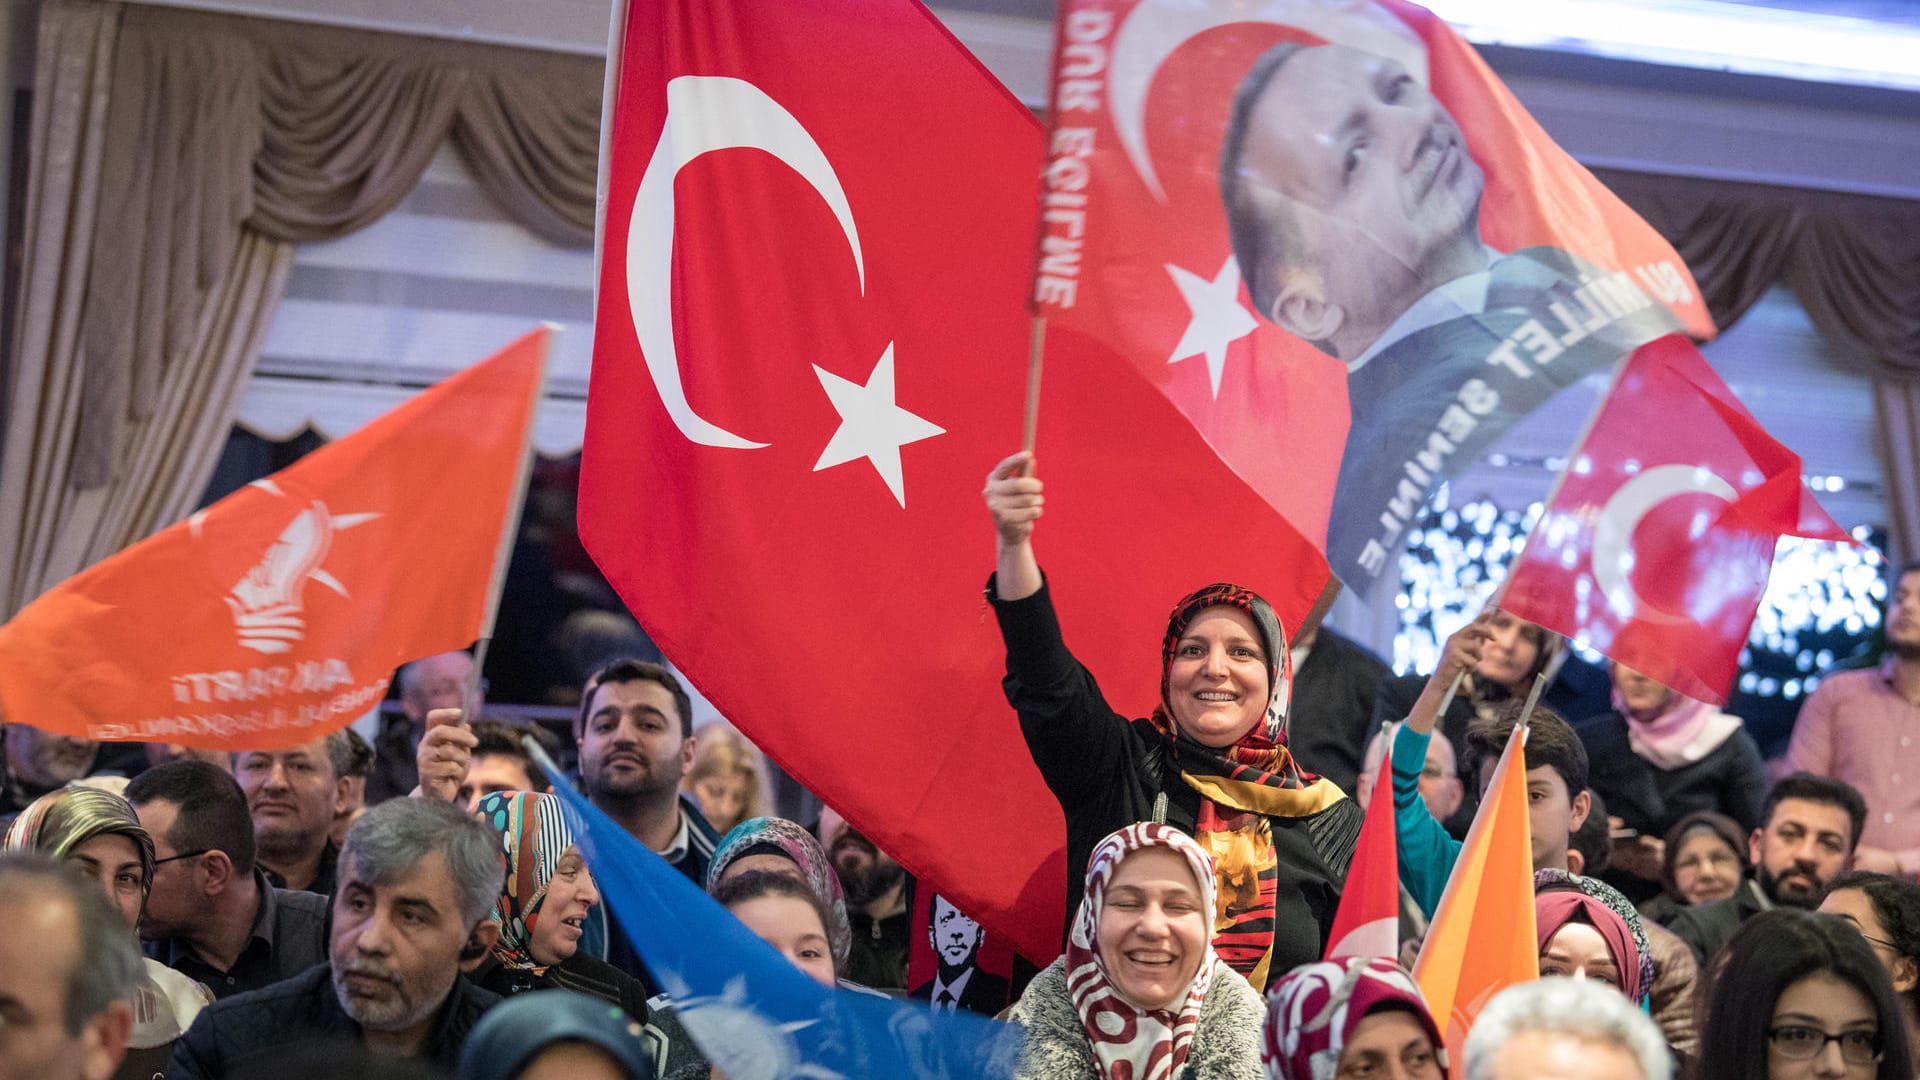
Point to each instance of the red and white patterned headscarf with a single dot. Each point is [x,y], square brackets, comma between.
[1315,1009]
[1131,1043]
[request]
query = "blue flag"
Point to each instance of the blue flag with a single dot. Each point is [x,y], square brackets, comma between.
[753,1014]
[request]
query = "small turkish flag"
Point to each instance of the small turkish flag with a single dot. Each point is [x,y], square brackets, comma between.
[1655,549]
[1368,921]
[275,615]
[809,351]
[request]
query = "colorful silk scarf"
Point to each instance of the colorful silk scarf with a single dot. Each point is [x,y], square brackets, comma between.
[771,835]
[1128,1042]
[1314,1009]
[1254,779]
[533,836]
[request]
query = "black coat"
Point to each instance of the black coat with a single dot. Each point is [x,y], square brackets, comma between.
[668,1044]
[1731,780]
[1706,927]
[1331,717]
[248,1034]
[1108,772]
[580,973]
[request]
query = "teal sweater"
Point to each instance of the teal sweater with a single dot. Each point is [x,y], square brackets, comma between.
[1427,852]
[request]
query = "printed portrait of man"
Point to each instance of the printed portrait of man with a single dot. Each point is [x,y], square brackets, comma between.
[1353,203]
[958,981]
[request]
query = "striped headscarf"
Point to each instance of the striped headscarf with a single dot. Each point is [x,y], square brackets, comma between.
[778,836]
[1128,1042]
[59,821]
[533,836]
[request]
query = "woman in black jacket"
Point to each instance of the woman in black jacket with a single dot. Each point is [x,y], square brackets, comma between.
[1211,760]
[1659,756]
[541,912]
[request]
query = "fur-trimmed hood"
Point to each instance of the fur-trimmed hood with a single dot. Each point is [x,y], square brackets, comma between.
[1226,1047]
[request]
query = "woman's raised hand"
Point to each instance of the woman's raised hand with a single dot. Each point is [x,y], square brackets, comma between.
[1460,656]
[1014,499]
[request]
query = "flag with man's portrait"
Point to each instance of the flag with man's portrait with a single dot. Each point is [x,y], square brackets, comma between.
[1337,243]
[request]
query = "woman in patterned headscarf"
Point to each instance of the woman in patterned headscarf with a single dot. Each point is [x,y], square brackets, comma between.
[1140,993]
[1212,760]
[779,846]
[543,906]
[97,831]
[1357,1017]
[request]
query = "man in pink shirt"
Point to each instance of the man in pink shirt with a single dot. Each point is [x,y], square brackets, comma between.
[1864,727]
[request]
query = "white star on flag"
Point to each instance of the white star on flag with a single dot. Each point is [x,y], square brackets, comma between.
[871,425]
[1219,319]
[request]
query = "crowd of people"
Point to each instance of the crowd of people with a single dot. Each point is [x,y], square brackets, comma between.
[417,905]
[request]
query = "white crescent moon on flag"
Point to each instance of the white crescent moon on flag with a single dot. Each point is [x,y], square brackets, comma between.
[1155,29]
[1612,556]
[705,114]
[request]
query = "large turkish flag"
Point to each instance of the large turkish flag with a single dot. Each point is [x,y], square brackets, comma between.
[809,351]
[1333,239]
[1656,547]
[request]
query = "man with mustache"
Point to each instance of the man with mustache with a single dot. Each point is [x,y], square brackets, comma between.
[211,914]
[1807,838]
[294,795]
[37,762]
[1353,203]
[418,880]
[878,907]
[635,733]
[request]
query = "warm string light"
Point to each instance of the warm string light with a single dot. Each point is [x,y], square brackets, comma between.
[1823,601]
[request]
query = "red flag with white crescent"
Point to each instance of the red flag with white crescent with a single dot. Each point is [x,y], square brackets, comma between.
[1338,245]
[1656,547]
[810,348]
[1368,920]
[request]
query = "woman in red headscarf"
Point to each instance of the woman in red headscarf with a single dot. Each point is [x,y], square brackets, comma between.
[1211,760]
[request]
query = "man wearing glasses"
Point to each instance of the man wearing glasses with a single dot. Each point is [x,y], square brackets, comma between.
[211,914]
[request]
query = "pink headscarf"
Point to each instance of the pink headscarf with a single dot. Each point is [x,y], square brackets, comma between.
[1315,1009]
[1152,1043]
[1679,731]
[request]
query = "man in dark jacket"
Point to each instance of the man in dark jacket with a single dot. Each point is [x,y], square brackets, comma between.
[210,912]
[1812,825]
[1335,680]
[417,881]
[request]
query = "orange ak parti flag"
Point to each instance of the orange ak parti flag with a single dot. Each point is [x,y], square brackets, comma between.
[1482,938]
[276,615]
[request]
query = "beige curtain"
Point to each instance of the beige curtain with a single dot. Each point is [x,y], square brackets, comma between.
[177,156]
[1897,433]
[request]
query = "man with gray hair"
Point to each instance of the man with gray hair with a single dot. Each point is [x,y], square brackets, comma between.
[67,975]
[418,879]
[1564,1029]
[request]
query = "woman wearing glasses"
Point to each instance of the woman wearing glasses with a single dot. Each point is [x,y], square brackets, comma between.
[1887,912]
[1800,996]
